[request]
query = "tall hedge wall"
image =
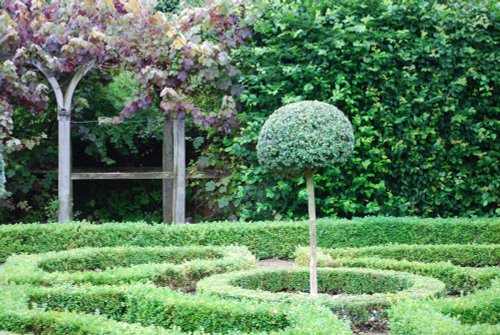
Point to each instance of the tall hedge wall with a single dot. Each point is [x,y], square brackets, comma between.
[264,239]
[415,77]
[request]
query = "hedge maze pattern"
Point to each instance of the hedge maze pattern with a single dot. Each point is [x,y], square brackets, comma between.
[180,284]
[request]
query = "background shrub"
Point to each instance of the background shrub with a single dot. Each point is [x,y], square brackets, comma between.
[416,79]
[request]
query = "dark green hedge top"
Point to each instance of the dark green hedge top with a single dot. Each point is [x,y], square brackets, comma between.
[305,135]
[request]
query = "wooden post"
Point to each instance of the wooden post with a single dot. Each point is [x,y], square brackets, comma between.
[64,183]
[64,104]
[179,164]
[167,166]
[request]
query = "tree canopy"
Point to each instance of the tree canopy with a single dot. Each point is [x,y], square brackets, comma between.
[172,55]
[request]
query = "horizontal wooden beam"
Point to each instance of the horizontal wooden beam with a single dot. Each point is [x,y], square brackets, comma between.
[120,175]
[138,175]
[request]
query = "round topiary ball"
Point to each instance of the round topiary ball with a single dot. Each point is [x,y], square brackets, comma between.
[305,136]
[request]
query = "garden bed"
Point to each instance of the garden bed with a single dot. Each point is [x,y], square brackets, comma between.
[475,314]
[176,267]
[463,268]
[146,309]
[127,278]
[356,294]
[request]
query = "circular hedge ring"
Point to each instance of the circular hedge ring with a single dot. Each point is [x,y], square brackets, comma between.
[474,314]
[143,309]
[463,268]
[178,267]
[354,293]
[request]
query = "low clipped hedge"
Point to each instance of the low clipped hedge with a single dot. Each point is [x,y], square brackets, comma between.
[358,294]
[145,309]
[15,316]
[260,238]
[475,314]
[178,267]
[452,264]
[457,254]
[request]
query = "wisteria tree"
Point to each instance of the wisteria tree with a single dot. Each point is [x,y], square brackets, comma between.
[58,42]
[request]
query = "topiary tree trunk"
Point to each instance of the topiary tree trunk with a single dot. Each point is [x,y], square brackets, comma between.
[2,175]
[312,232]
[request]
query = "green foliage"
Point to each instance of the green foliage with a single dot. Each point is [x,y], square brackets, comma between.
[455,265]
[416,79]
[158,310]
[125,285]
[260,237]
[167,6]
[305,136]
[457,254]
[95,146]
[172,6]
[110,143]
[475,314]
[178,267]
[357,293]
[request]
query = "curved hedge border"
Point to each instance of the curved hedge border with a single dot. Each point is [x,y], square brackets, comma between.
[412,258]
[15,316]
[150,310]
[358,308]
[475,314]
[178,267]
[456,254]
[260,238]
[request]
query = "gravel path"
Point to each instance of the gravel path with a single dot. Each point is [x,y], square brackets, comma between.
[277,264]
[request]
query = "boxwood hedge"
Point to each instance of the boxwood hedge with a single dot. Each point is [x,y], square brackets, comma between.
[475,314]
[145,309]
[178,267]
[260,238]
[455,265]
[457,254]
[357,293]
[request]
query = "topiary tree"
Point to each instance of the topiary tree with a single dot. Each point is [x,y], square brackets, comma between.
[297,140]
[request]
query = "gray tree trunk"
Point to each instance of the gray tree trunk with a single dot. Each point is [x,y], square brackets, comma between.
[312,233]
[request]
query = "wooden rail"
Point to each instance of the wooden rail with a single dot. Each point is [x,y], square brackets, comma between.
[87,175]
